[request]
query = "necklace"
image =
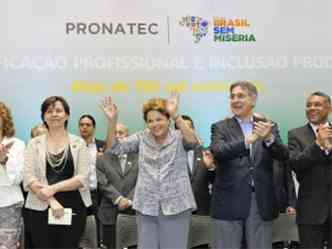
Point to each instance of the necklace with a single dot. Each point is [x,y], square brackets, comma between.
[56,160]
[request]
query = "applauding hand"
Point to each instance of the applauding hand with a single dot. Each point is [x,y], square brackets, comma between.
[263,129]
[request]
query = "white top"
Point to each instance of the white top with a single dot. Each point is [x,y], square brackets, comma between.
[11,173]
[92,147]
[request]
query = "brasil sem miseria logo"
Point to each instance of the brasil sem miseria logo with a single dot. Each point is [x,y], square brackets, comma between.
[224,29]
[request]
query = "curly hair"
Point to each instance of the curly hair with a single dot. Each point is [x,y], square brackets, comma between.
[8,129]
[155,104]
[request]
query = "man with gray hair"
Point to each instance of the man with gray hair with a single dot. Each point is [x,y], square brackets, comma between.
[117,176]
[243,197]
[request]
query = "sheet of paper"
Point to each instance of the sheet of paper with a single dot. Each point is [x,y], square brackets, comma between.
[64,220]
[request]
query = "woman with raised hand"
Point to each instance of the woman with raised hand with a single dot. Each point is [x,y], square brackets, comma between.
[56,172]
[163,197]
[11,167]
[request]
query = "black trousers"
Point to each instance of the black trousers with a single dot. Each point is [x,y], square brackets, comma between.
[109,236]
[315,236]
[45,236]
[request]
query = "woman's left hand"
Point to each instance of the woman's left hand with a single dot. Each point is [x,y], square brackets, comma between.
[46,193]
[172,104]
[57,209]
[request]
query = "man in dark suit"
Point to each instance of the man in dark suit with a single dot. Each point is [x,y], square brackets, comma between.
[201,178]
[243,197]
[311,158]
[116,180]
[87,128]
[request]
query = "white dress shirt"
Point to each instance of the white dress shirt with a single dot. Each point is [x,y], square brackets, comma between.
[11,173]
[190,156]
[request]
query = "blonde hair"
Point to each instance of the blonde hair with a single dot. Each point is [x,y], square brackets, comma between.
[8,129]
[155,104]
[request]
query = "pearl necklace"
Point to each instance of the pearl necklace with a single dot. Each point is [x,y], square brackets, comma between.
[55,161]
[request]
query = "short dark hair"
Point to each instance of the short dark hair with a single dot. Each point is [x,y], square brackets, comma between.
[89,117]
[185,117]
[50,101]
[321,94]
[250,87]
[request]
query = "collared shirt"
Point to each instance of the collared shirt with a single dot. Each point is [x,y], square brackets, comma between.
[190,156]
[123,162]
[11,173]
[92,147]
[247,127]
[316,127]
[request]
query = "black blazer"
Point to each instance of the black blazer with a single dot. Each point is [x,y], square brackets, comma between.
[112,183]
[231,196]
[313,170]
[101,145]
[283,185]
[200,179]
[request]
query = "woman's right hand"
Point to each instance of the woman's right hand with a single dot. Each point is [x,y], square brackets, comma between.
[57,209]
[109,108]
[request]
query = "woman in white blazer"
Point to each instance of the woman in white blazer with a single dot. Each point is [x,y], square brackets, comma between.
[11,166]
[56,172]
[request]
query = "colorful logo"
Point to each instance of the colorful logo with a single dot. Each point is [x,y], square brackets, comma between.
[231,30]
[224,29]
[198,26]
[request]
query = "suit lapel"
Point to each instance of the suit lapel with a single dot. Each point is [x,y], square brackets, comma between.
[196,162]
[116,164]
[42,147]
[236,128]
[100,146]
[74,143]
[309,134]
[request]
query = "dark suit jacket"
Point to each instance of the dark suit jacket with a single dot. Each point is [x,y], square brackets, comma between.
[313,170]
[200,179]
[113,183]
[231,196]
[100,145]
[96,196]
[283,185]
